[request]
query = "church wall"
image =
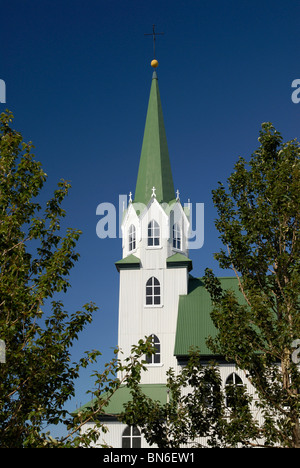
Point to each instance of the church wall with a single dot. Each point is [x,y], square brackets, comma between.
[137,320]
[112,438]
[130,302]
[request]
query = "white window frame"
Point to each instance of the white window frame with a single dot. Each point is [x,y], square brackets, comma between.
[130,434]
[153,292]
[154,359]
[176,237]
[236,382]
[132,238]
[153,240]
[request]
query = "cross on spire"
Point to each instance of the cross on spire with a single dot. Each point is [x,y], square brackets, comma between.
[154,34]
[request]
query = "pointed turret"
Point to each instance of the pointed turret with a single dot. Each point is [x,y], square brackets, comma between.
[155,168]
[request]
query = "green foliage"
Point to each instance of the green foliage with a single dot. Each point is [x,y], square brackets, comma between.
[196,412]
[35,260]
[258,222]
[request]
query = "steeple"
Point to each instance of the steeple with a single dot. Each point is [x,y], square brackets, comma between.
[154,168]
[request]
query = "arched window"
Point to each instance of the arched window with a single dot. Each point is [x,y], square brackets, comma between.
[153,234]
[131,437]
[132,238]
[154,358]
[152,291]
[176,236]
[233,380]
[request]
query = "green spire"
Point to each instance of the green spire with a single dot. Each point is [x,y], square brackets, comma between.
[155,168]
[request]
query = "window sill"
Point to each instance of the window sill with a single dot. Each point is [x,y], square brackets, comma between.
[154,365]
[177,250]
[153,306]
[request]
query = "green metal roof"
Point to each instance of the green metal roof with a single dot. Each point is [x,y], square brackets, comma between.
[131,261]
[194,323]
[154,168]
[179,260]
[157,392]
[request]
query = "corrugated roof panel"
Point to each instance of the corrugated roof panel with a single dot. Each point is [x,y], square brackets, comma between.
[154,168]
[194,323]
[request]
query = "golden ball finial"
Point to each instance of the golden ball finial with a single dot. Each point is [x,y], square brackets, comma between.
[154,63]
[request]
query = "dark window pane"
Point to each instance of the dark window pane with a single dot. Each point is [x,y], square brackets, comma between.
[135,431]
[125,442]
[156,299]
[136,442]
[229,379]
[148,300]
[238,380]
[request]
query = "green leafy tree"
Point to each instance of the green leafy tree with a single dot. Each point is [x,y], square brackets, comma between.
[196,414]
[258,222]
[37,377]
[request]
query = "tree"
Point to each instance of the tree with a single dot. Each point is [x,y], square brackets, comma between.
[196,413]
[37,377]
[258,222]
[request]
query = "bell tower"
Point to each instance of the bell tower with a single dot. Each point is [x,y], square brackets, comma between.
[155,266]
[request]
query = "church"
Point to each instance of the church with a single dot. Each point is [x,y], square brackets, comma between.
[158,296]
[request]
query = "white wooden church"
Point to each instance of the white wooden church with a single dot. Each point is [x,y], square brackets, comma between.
[158,296]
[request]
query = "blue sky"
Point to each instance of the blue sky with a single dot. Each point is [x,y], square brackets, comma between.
[78,77]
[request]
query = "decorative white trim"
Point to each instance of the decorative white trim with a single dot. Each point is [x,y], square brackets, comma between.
[154,306]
